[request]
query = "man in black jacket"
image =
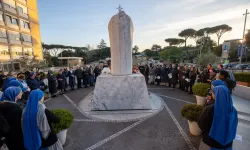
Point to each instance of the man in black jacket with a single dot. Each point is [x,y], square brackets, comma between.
[78,74]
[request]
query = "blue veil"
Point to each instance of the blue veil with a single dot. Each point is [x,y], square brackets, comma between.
[224,126]
[218,82]
[32,138]
[7,81]
[11,93]
[12,83]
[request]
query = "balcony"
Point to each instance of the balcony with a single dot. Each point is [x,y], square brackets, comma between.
[23,15]
[25,29]
[14,26]
[27,43]
[15,42]
[9,8]
[23,1]
[3,40]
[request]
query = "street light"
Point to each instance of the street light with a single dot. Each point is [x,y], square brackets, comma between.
[242,41]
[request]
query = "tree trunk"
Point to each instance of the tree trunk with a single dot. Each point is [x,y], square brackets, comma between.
[218,41]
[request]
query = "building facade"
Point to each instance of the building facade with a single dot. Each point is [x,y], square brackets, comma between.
[19,32]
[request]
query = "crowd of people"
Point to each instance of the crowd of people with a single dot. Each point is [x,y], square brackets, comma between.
[25,122]
[183,75]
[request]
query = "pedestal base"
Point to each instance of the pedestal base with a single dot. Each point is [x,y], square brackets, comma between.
[120,93]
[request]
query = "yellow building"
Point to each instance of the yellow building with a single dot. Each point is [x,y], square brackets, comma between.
[19,32]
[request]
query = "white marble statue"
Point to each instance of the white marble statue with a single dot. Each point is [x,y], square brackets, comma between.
[121,36]
[120,90]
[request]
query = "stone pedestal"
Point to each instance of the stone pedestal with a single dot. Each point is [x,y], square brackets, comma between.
[120,93]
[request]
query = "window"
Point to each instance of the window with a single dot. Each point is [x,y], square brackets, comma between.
[28,51]
[16,66]
[15,36]
[3,34]
[14,21]
[10,67]
[22,9]
[11,20]
[24,24]
[26,38]
[5,67]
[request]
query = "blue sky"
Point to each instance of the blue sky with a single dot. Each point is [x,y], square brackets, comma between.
[82,22]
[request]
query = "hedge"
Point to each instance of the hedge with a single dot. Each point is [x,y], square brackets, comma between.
[242,77]
[191,112]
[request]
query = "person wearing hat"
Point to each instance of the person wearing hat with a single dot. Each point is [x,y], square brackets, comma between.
[32,81]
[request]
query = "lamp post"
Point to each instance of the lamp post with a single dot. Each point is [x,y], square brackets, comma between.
[241,50]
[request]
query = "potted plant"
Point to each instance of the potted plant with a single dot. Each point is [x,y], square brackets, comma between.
[61,128]
[200,90]
[192,113]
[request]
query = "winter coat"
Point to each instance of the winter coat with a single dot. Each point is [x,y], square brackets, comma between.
[61,81]
[174,72]
[78,73]
[71,78]
[52,82]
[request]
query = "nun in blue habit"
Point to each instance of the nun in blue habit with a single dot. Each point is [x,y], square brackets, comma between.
[6,83]
[37,132]
[12,112]
[219,121]
[12,83]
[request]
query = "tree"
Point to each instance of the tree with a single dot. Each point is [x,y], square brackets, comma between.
[156,48]
[31,63]
[172,54]
[220,30]
[205,44]
[217,50]
[207,58]
[149,53]
[102,45]
[174,41]
[135,49]
[186,34]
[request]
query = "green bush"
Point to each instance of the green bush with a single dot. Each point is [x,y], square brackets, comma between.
[66,119]
[242,77]
[200,89]
[191,112]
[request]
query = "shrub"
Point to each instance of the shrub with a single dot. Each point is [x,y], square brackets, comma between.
[191,112]
[66,119]
[242,77]
[200,89]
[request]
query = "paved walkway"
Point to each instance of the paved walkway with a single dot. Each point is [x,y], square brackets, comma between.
[165,130]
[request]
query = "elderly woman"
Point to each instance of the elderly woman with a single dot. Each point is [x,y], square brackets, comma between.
[12,113]
[36,124]
[218,121]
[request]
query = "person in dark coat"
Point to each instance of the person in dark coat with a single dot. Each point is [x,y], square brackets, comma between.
[186,75]
[219,121]
[180,76]
[4,129]
[142,69]
[97,72]
[61,82]
[203,75]
[71,75]
[52,81]
[191,79]
[91,76]
[12,113]
[78,74]
[212,75]
[158,75]
[174,72]
[163,75]
[85,75]
[146,74]
[33,82]
[2,79]
[65,73]
[36,124]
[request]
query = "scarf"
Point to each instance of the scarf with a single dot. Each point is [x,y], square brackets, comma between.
[35,123]
[7,81]
[224,126]
[10,94]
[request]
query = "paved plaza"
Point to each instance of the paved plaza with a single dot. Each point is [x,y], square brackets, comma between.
[165,129]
